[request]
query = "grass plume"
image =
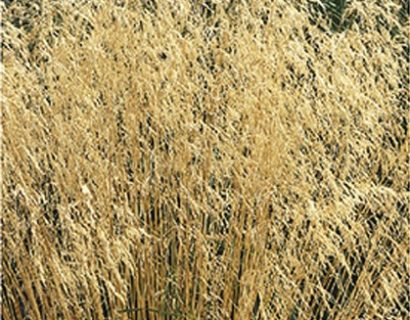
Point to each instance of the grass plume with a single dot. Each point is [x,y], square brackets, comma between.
[205,159]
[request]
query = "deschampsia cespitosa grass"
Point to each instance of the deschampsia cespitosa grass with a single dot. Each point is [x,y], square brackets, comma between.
[205,159]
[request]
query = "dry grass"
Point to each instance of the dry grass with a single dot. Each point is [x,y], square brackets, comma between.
[205,160]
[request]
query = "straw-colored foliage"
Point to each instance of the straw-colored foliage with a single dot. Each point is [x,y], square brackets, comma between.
[205,159]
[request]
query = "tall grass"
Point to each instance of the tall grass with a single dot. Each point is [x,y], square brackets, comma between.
[205,160]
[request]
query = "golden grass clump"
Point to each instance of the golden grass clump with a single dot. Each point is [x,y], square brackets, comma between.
[205,159]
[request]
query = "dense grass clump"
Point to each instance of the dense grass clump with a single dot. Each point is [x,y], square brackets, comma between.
[205,159]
